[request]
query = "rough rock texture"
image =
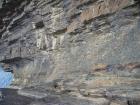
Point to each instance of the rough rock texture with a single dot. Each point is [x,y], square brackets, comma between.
[88,49]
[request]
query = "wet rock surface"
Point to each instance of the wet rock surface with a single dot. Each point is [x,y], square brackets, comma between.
[72,52]
[10,97]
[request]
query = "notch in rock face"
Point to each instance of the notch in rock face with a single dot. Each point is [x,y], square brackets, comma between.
[39,25]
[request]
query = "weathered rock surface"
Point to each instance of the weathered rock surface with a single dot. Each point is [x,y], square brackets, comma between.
[87,50]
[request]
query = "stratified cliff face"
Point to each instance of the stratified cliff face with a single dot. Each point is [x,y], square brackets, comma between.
[86,48]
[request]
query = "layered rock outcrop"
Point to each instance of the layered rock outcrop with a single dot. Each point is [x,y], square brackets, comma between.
[84,48]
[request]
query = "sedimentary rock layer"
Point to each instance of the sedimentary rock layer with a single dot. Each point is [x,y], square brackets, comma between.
[83,48]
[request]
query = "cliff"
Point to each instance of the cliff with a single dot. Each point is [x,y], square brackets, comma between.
[83,48]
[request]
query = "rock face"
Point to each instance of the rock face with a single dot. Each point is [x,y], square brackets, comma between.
[83,48]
